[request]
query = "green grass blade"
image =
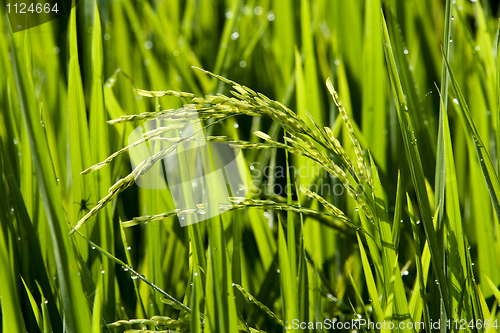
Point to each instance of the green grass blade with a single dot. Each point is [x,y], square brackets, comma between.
[196,297]
[455,244]
[419,302]
[77,314]
[443,107]
[34,306]
[416,169]
[12,317]
[97,309]
[374,81]
[102,181]
[484,157]
[288,294]
[78,129]
[378,313]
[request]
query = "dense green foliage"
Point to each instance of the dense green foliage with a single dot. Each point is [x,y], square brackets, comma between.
[373,162]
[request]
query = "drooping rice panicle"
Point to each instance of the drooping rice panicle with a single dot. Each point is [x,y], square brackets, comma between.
[255,301]
[327,218]
[146,136]
[158,321]
[301,140]
[357,147]
[148,93]
[329,207]
[188,112]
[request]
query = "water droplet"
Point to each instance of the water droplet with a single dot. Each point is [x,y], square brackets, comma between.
[182,217]
[108,85]
[129,248]
[252,167]
[147,62]
[405,273]
[402,221]
[357,209]
[336,62]
[236,125]
[148,45]
[258,10]
[229,14]
[452,18]
[455,101]
[266,215]
[93,247]
[235,35]
[477,48]
[56,50]
[15,142]
[451,40]
[41,122]
[405,51]
[134,277]
[196,274]
[46,302]
[246,10]
[111,80]
[270,16]
[418,222]
[195,184]
[103,271]
[243,64]
[472,264]
[278,271]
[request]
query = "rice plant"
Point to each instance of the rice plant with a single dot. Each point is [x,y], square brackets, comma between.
[357,191]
